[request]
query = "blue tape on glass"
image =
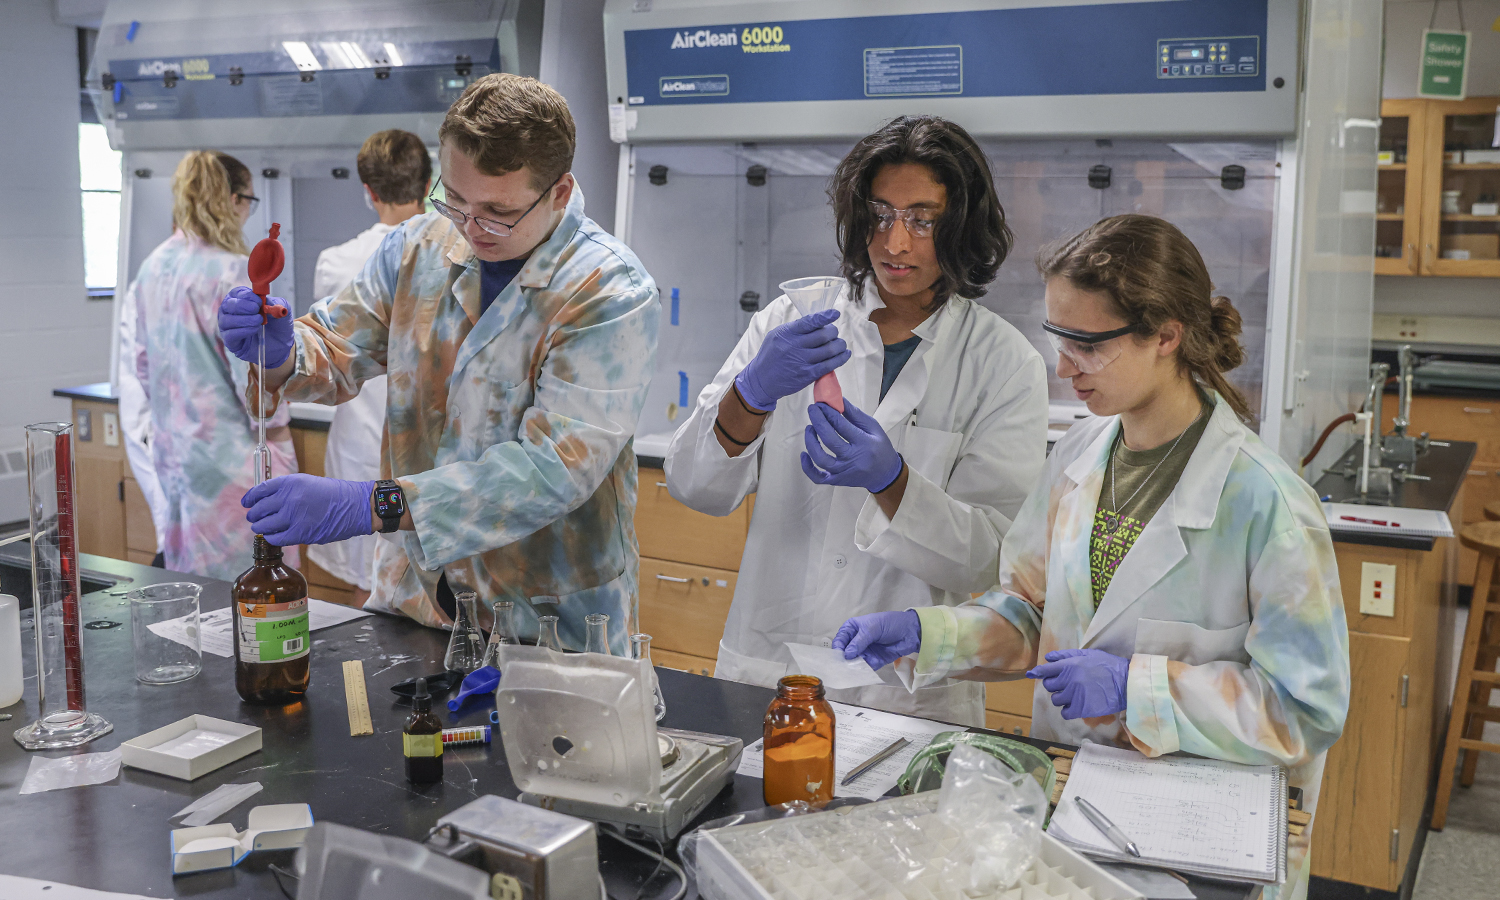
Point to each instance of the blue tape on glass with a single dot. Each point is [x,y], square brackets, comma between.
[674,307]
[682,389]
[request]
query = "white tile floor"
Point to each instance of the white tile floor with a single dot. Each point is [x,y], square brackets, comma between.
[1463,860]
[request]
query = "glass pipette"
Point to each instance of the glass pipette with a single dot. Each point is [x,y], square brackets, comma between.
[266,262]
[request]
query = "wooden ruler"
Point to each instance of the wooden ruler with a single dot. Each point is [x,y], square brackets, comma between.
[357,699]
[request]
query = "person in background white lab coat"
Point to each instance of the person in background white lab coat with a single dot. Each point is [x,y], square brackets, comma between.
[1175,574]
[395,170]
[905,498]
[135,419]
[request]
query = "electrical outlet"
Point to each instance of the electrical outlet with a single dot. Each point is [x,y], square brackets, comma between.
[1377,589]
[111,429]
[1411,328]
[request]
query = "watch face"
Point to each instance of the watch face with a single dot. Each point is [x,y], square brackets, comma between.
[389,503]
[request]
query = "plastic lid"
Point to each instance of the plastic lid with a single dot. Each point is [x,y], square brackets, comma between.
[421,701]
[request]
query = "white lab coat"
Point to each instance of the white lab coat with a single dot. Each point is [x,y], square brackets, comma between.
[969,414]
[135,416]
[1228,606]
[354,435]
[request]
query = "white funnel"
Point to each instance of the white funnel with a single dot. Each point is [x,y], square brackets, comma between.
[810,295]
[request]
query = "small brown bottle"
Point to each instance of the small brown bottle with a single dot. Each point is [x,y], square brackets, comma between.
[271,644]
[422,739]
[799,743]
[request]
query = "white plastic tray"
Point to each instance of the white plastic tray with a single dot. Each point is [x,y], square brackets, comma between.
[192,747]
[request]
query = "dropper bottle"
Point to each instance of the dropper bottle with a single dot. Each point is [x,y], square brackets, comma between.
[422,739]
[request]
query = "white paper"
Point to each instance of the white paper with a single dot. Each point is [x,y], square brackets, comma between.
[1154,884]
[216,803]
[830,667]
[71,771]
[617,123]
[859,734]
[13,887]
[216,628]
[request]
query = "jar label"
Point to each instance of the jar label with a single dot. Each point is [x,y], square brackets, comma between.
[274,632]
[422,744]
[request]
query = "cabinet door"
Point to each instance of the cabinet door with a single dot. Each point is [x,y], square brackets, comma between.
[1012,697]
[684,607]
[1462,170]
[1398,199]
[101,514]
[1006,723]
[682,662]
[140,530]
[669,530]
[1459,419]
[1358,806]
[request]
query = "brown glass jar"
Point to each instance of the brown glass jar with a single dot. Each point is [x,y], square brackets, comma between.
[799,750]
[422,740]
[271,635]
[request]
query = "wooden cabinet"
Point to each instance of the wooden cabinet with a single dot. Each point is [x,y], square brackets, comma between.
[1437,162]
[1463,419]
[669,530]
[1375,779]
[311,444]
[99,470]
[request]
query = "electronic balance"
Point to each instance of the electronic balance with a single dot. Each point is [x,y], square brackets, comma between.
[580,738]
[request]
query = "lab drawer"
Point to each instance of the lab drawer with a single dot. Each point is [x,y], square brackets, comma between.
[1458,419]
[683,607]
[682,662]
[1010,696]
[669,530]
[1005,723]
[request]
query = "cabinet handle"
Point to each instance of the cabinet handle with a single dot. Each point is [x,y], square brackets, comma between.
[1479,410]
[1477,472]
[674,580]
[661,484]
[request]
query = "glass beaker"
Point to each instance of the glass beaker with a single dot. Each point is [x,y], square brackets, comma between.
[546,633]
[640,648]
[799,752]
[173,609]
[502,631]
[466,644]
[63,719]
[596,631]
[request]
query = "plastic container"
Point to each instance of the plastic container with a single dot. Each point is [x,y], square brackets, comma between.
[799,743]
[808,296]
[11,680]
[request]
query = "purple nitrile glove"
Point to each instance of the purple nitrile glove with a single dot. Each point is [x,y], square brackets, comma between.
[880,638]
[792,356]
[857,454]
[240,319]
[1085,683]
[306,509]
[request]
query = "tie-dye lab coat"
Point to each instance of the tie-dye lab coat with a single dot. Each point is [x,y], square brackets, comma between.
[510,432]
[202,433]
[1228,607]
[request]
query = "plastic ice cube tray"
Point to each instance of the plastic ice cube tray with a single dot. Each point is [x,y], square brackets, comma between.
[894,849]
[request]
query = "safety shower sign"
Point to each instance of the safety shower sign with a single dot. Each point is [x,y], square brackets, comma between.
[1444,72]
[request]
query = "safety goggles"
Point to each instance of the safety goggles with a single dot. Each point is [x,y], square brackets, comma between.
[1089,351]
[918,222]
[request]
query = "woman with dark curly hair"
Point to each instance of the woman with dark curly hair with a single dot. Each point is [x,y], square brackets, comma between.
[902,498]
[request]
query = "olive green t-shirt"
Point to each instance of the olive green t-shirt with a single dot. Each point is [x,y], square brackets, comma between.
[1142,481]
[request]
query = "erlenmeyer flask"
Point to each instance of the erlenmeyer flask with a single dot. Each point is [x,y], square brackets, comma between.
[502,632]
[546,633]
[466,644]
[596,638]
[640,647]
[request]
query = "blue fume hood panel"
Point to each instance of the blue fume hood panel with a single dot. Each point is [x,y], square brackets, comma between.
[704,70]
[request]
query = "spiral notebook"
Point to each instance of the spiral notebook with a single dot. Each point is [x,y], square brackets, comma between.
[1203,816]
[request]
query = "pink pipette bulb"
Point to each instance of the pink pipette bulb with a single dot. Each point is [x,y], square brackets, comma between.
[827,390]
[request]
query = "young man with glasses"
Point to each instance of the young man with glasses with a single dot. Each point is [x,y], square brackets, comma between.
[901,499]
[519,338]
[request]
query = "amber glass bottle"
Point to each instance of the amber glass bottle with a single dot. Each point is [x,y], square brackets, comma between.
[422,739]
[799,743]
[271,646]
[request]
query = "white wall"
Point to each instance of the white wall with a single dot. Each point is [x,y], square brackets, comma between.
[572,62]
[50,334]
[1405,21]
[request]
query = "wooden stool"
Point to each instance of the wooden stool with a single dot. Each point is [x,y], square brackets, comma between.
[1492,511]
[1476,671]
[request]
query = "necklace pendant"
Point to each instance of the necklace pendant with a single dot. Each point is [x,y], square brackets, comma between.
[1111,524]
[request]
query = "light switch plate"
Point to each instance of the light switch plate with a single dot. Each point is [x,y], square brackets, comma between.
[111,429]
[1377,589]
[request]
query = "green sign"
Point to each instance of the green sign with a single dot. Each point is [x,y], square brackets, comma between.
[1444,73]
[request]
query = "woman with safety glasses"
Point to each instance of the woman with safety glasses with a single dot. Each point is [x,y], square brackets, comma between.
[902,498]
[1174,576]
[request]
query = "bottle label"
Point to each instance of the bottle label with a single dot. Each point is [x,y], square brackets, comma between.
[274,632]
[422,744]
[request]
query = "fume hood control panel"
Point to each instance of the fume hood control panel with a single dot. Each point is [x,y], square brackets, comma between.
[1225,57]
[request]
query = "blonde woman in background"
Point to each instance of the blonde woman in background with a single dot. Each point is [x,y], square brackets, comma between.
[202,433]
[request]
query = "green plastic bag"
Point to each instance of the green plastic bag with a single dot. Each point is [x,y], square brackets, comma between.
[925,773]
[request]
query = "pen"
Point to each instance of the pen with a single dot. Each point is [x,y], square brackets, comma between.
[873,761]
[1107,828]
[1371,521]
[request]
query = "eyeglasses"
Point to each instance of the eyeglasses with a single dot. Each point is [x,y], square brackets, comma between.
[1089,351]
[918,222]
[251,199]
[497,228]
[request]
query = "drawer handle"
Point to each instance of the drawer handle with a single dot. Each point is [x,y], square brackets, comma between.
[661,484]
[674,580]
[1476,409]
[1477,472]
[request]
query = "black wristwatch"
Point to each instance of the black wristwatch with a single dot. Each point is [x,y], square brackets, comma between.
[390,505]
